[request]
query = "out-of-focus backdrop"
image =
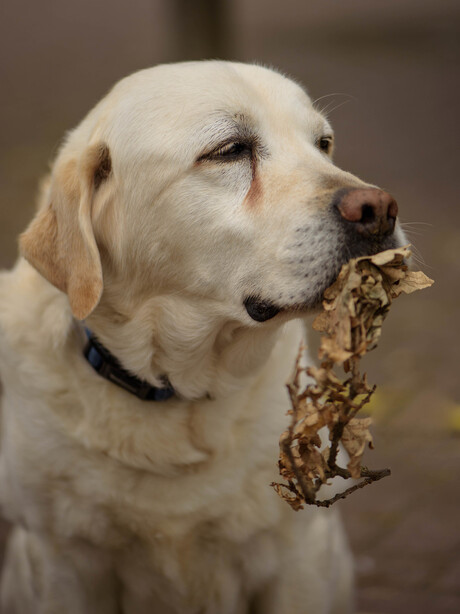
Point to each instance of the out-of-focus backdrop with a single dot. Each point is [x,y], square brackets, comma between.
[392,68]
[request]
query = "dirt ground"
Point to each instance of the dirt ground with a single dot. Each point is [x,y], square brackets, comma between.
[394,65]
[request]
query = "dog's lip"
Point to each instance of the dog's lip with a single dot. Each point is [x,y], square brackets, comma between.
[260,309]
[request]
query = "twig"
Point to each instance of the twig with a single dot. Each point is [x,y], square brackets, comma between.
[376,475]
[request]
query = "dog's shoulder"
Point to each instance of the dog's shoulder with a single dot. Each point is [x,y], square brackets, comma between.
[31,309]
[35,324]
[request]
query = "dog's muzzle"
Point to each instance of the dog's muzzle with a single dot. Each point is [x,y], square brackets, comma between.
[365,220]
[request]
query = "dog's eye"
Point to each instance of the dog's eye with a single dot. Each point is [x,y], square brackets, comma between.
[231,151]
[324,143]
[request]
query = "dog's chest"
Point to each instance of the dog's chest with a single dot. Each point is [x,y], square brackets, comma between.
[198,572]
[201,537]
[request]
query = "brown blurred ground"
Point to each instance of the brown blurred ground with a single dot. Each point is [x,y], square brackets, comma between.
[397,62]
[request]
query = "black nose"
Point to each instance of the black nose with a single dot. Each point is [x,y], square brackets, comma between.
[372,211]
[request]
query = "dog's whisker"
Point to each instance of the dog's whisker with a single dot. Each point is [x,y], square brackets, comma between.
[418,258]
[329,111]
[327,106]
[416,223]
[333,94]
[411,232]
[323,110]
[412,227]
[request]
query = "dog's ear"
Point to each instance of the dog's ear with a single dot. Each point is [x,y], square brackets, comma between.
[60,241]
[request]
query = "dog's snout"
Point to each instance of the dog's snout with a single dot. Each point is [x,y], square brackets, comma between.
[373,211]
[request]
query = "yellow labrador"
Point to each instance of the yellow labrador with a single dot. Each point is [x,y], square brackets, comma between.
[191,220]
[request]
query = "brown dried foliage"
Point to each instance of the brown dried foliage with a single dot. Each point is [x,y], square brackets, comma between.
[350,324]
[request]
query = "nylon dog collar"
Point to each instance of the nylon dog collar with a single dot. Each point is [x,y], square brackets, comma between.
[109,367]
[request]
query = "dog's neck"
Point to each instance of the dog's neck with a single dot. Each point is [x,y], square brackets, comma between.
[201,352]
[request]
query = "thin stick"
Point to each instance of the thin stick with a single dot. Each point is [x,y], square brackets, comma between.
[376,475]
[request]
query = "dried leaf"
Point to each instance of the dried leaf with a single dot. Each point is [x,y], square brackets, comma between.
[355,436]
[354,309]
[294,499]
[414,280]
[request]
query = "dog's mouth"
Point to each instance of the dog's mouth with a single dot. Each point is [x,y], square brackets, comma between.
[262,309]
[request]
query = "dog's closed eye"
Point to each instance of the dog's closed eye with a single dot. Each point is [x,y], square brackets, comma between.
[229,152]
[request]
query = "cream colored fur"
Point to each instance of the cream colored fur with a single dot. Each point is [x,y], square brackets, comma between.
[123,505]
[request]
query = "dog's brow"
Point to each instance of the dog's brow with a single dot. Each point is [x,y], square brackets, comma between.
[224,128]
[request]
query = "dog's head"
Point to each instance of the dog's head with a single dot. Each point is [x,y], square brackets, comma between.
[204,191]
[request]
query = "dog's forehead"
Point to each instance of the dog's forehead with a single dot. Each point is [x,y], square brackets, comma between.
[209,82]
[187,101]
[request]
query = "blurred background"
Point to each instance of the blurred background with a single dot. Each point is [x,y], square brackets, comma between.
[392,70]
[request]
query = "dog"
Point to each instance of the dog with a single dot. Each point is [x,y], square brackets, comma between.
[189,225]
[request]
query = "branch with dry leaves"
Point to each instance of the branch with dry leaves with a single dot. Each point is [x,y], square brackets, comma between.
[350,324]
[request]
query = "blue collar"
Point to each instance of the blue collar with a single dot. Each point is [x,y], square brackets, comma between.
[109,367]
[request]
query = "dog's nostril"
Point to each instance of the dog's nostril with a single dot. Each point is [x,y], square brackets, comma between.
[367,214]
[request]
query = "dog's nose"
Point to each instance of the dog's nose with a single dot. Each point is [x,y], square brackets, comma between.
[373,211]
